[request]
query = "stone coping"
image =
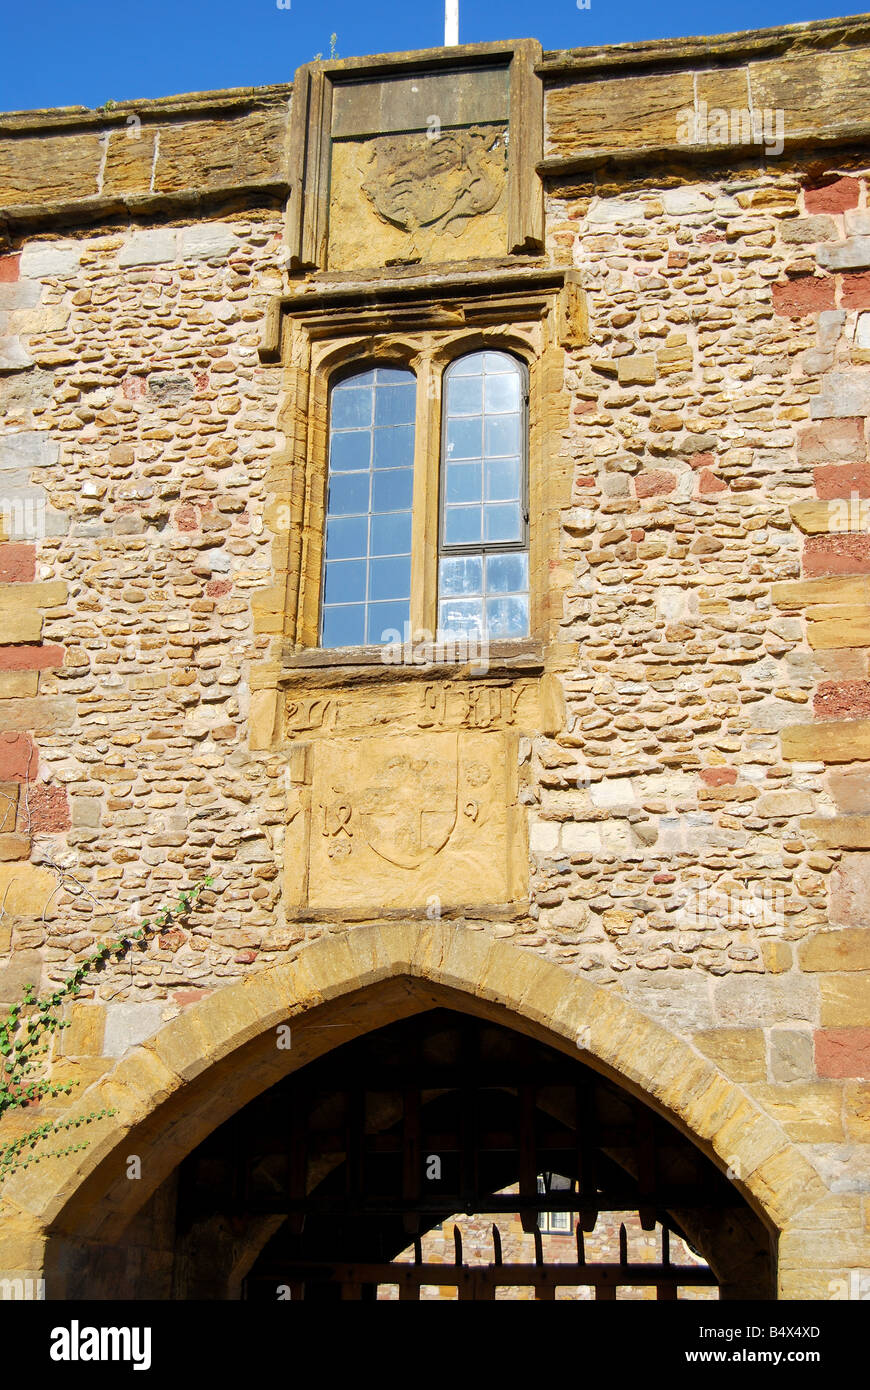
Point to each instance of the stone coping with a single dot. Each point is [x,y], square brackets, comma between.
[780,39]
[231,101]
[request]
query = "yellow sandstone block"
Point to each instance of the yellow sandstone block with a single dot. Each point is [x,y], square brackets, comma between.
[25,889]
[17,684]
[20,625]
[847,949]
[847,628]
[831,741]
[50,594]
[801,593]
[263,719]
[810,1113]
[738,1052]
[84,1037]
[839,832]
[817,518]
[845,1001]
[856,1111]
[777,956]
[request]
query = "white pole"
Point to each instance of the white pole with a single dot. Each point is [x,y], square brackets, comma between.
[451,23]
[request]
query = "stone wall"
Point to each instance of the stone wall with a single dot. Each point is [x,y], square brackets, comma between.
[699,826]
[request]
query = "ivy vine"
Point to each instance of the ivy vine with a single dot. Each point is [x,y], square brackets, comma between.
[25,1038]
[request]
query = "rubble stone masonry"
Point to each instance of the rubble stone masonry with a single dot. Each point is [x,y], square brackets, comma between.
[698,819]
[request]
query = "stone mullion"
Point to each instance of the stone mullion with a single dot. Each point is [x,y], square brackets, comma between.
[550,482]
[424,526]
[313,466]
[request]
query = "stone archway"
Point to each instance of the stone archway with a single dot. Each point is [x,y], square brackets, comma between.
[175,1088]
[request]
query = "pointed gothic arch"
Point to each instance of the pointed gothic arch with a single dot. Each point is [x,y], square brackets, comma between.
[176,1087]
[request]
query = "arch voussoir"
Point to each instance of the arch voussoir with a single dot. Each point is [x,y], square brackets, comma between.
[173,1088]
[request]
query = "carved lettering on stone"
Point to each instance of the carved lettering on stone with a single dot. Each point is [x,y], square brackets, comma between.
[308,713]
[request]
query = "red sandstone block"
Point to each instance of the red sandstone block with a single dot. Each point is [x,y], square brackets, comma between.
[709,483]
[856,290]
[843,1052]
[833,197]
[719,776]
[585,480]
[850,891]
[186,517]
[9,268]
[835,480]
[49,809]
[654,482]
[842,700]
[808,295]
[701,461]
[18,757]
[30,656]
[17,562]
[844,553]
[183,997]
[833,441]
[216,588]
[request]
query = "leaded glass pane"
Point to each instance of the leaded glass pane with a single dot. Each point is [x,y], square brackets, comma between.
[367,563]
[490,591]
[483,591]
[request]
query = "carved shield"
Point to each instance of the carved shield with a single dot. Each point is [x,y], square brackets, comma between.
[407,810]
[417,182]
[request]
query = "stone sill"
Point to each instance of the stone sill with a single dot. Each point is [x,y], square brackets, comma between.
[365,665]
[473,915]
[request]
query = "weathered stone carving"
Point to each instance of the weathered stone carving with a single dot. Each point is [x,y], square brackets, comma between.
[406,198]
[405,792]
[407,808]
[398,819]
[418,180]
[307,713]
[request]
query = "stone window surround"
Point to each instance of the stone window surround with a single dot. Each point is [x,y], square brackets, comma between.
[322,336]
[311,126]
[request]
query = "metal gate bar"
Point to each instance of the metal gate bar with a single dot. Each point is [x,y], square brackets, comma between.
[604,1278]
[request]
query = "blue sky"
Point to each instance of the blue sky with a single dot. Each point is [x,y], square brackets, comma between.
[85,52]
